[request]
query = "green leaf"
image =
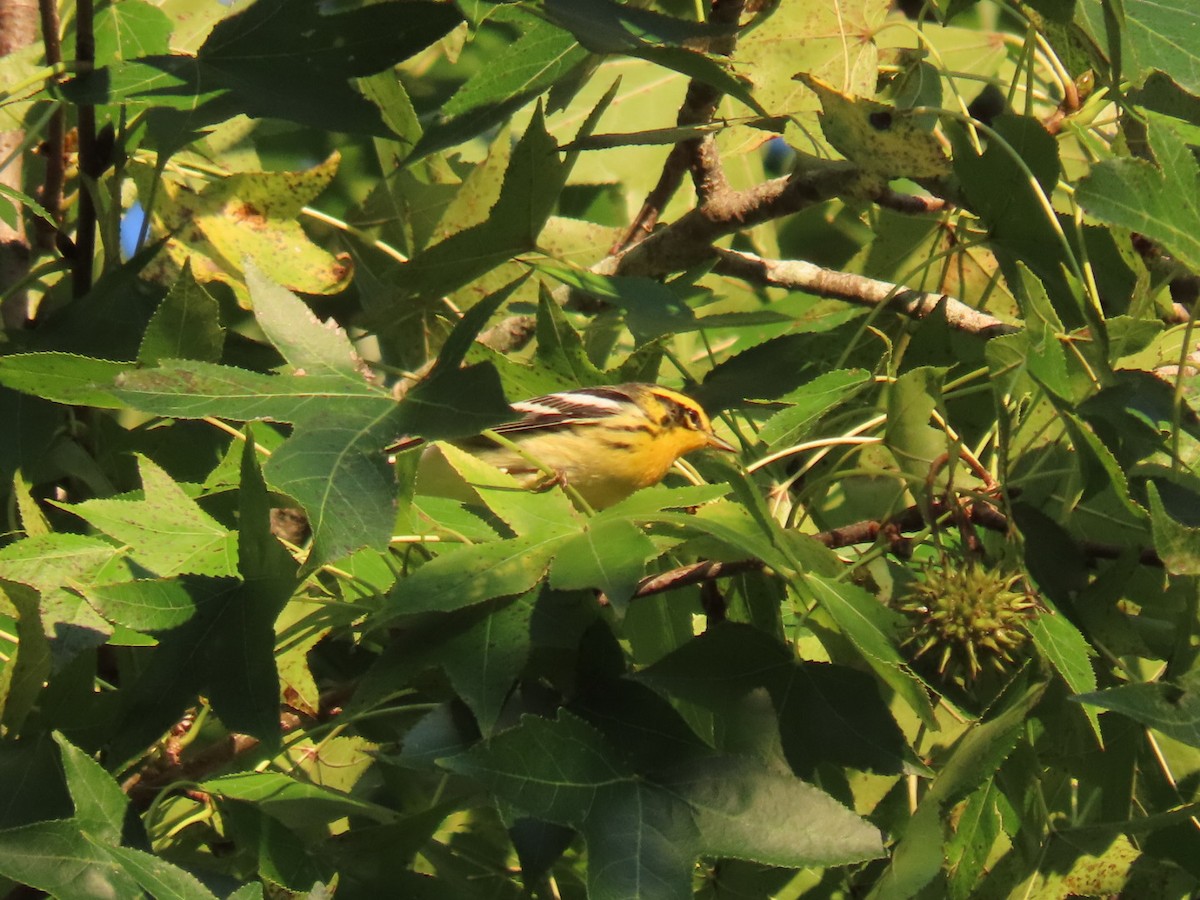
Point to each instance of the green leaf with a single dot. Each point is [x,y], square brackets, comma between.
[745,811]
[49,561]
[244,217]
[1158,202]
[824,41]
[210,646]
[1068,651]
[454,403]
[167,532]
[917,856]
[968,849]
[651,307]
[1045,356]
[143,605]
[733,525]
[779,365]
[642,837]
[524,511]
[484,662]
[532,182]
[192,390]
[609,554]
[1178,545]
[915,443]
[552,769]
[227,645]
[560,350]
[131,29]
[79,856]
[542,56]
[20,199]
[28,665]
[871,627]
[305,80]
[721,668]
[614,28]
[58,857]
[998,187]
[884,141]
[159,877]
[186,325]
[286,798]
[310,346]
[607,27]
[63,378]
[808,403]
[659,497]
[641,840]
[470,575]
[1102,472]
[333,463]
[1152,37]
[1173,709]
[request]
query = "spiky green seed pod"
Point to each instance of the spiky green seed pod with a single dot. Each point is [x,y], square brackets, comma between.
[967,616]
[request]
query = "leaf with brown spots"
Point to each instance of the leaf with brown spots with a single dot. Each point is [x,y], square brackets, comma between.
[248,216]
[883,140]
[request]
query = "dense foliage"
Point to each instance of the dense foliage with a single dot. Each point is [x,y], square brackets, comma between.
[932,269]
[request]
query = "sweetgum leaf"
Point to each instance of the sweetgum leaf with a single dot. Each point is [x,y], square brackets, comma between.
[1173,709]
[1153,37]
[246,216]
[723,666]
[883,140]
[166,531]
[304,79]
[82,855]
[227,645]
[62,377]
[541,56]
[871,627]
[1158,201]
[186,325]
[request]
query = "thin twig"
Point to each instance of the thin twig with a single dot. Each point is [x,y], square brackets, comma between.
[911,204]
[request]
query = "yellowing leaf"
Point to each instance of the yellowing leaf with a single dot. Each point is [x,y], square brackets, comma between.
[248,215]
[881,139]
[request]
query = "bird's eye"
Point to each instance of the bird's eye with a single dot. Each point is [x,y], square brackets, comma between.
[693,418]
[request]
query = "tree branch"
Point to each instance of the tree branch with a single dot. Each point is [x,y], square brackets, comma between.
[90,164]
[18,28]
[696,154]
[688,241]
[52,184]
[798,275]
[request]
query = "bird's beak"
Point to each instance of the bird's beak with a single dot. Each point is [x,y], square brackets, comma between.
[720,444]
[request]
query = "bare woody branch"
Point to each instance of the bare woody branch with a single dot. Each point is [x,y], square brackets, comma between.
[798,275]
[697,154]
[688,241]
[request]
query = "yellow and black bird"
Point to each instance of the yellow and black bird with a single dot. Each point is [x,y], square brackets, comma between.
[605,442]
